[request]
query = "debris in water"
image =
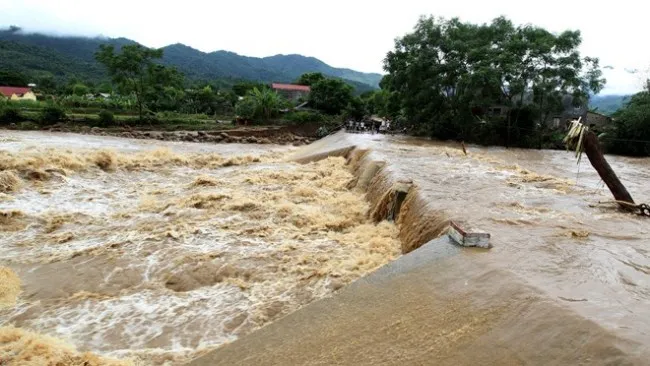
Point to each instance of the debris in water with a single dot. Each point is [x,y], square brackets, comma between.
[12,220]
[105,160]
[20,347]
[9,182]
[9,288]
[205,180]
[578,234]
[571,300]
[467,236]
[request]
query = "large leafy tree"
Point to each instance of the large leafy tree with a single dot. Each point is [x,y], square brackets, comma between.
[13,78]
[446,74]
[310,78]
[134,70]
[330,95]
[630,132]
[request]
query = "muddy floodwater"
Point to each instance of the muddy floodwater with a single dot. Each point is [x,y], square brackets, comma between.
[547,225]
[156,252]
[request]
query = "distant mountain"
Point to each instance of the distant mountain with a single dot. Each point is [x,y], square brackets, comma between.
[608,104]
[65,57]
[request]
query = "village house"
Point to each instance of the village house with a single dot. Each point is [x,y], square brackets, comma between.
[292,92]
[587,117]
[597,120]
[17,93]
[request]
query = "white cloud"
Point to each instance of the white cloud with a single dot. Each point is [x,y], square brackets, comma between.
[355,34]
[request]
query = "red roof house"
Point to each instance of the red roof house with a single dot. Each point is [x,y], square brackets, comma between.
[291,91]
[9,91]
[291,87]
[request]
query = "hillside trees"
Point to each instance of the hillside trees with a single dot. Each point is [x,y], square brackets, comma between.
[13,78]
[133,70]
[446,75]
[630,131]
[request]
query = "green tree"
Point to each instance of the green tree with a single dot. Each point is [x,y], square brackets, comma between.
[267,102]
[163,88]
[356,108]
[79,89]
[13,78]
[134,71]
[46,85]
[310,78]
[245,108]
[241,89]
[330,95]
[105,88]
[631,127]
[446,75]
[106,118]
[51,114]
[376,102]
[261,104]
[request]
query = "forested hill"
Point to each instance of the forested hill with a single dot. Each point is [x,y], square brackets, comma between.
[40,55]
[608,104]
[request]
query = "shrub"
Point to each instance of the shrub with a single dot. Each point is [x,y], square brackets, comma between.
[52,114]
[246,108]
[106,118]
[9,114]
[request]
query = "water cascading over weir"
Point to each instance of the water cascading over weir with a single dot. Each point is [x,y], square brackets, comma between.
[438,304]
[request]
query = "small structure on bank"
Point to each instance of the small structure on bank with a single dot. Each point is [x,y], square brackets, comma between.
[17,93]
[293,92]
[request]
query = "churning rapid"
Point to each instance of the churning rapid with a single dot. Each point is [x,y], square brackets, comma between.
[152,255]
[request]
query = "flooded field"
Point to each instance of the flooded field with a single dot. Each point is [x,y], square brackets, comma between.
[156,252]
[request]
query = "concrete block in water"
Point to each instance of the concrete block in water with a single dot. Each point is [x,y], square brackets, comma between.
[467,236]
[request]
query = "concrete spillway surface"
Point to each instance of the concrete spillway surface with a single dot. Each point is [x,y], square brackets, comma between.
[430,307]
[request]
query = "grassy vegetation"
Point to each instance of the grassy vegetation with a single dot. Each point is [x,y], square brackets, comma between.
[30,115]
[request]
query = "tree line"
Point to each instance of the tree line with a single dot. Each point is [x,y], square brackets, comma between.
[447,77]
[495,83]
[140,83]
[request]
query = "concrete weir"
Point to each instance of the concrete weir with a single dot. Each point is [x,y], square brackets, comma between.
[438,304]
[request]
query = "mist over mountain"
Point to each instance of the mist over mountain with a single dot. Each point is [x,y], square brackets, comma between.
[64,57]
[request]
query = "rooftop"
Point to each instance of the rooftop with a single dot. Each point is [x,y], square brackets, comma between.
[8,91]
[291,87]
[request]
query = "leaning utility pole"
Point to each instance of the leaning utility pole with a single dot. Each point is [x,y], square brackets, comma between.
[580,139]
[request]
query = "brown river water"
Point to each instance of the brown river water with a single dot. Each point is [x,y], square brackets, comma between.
[157,252]
[547,225]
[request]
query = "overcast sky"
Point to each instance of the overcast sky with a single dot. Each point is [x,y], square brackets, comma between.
[344,33]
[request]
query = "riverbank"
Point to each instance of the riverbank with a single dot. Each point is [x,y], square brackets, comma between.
[295,135]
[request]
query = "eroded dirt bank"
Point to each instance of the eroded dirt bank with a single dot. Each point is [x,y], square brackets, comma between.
[279,135]
[156,252]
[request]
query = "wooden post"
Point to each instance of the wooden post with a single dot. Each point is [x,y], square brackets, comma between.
[597,160]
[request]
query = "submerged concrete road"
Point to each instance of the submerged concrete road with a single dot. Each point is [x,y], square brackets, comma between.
[430,307]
